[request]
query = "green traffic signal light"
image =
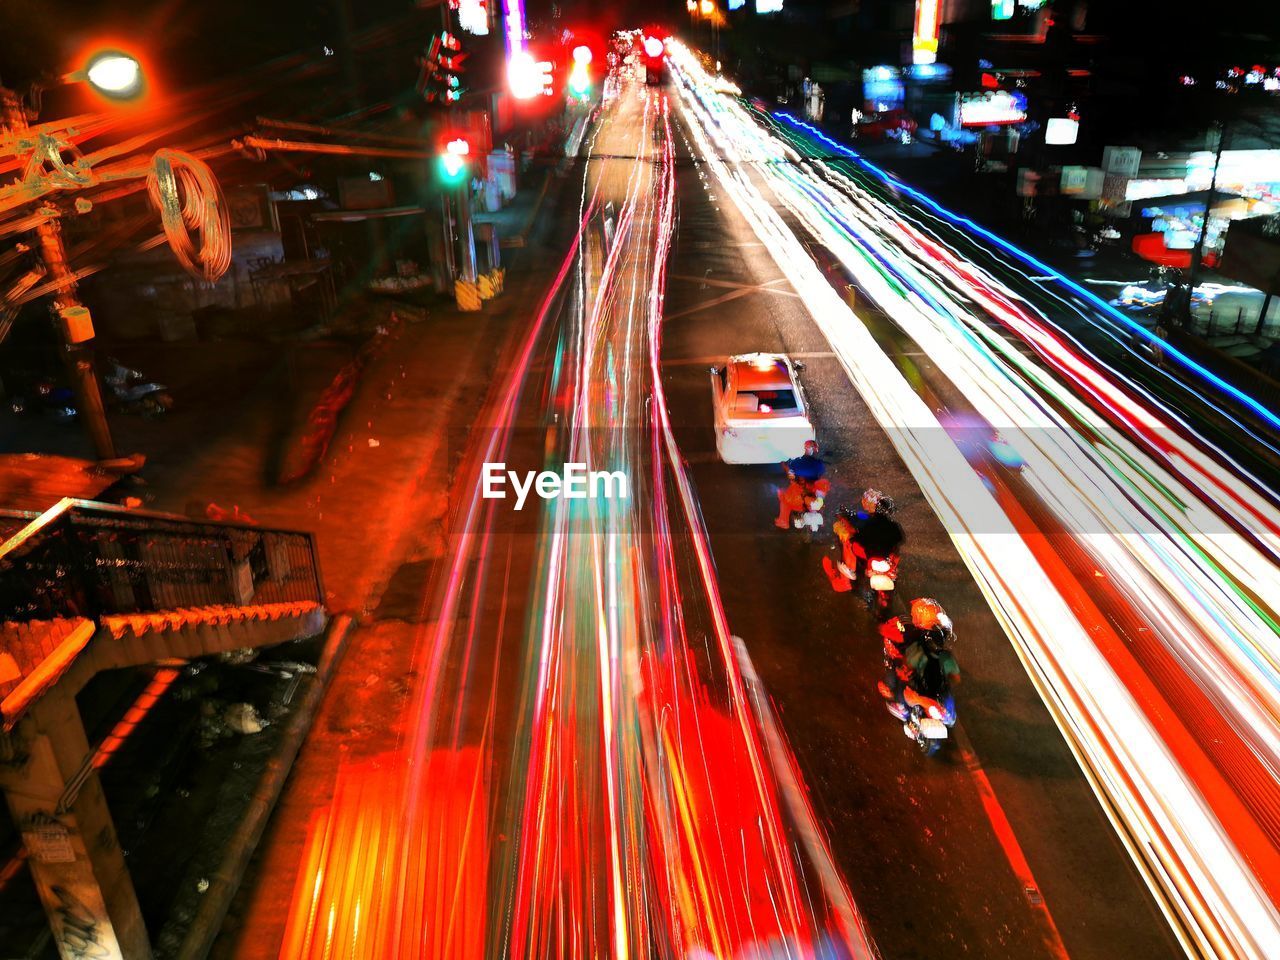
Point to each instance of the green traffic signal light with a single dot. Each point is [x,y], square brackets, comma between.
[453,162]
[580,80]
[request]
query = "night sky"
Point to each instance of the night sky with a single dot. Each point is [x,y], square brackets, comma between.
[193,40]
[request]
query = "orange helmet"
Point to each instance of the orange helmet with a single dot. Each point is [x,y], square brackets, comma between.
[811,448]
[871,499]
[927,613]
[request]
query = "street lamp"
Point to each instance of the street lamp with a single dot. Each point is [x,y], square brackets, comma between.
[115,74]
[118,76]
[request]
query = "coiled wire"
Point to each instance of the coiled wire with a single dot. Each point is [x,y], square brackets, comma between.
[188,198]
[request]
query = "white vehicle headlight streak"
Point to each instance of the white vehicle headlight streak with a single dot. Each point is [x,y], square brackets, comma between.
[1147,521]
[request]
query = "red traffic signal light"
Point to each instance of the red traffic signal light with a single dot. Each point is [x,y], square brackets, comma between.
[452,56]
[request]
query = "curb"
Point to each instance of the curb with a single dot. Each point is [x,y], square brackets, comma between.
[305,450]
[224,881]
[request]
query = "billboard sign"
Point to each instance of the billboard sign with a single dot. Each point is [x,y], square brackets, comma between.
[1083,183]
[1123,161]
[473,16]
[992,107]
[1061,131]
[924,39]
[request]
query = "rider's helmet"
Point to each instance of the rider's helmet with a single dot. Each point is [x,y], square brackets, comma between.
[873,501]
[927,614]
[811,448]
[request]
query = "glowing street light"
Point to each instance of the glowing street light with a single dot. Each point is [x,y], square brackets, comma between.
[580,74]
[115,74]
[453,161]
[653,47]
[527,77]
[708,7]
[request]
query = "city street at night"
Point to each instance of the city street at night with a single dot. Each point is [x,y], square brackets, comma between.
[772,480]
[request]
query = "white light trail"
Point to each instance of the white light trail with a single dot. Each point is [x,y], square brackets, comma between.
[1152,556]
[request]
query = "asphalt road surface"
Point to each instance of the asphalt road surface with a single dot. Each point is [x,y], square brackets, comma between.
[996,848]
[590,764]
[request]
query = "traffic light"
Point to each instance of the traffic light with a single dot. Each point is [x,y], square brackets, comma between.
[451,61]
[454,161]
[429,70]
[655,57]
[440,76]
[580,73]
[530,78]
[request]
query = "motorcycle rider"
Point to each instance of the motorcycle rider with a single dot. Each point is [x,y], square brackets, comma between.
[918,655]
[807,487]
[870,531]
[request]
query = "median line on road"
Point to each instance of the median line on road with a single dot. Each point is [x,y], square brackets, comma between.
[1008,841]
[699,361]
[769,286]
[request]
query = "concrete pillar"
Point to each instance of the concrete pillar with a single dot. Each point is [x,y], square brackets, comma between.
[277,550]
[56,800]
[239,571]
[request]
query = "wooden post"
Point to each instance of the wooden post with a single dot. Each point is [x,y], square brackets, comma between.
[56,801]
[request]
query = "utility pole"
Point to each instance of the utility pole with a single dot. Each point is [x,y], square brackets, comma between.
[72,318]
[466,234]
[1198,250]
[465,242]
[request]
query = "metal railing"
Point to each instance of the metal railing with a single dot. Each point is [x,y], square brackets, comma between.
[12,521]
[1222,323]
[88,559]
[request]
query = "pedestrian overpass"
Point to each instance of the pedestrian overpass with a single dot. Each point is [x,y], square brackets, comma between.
[89,587]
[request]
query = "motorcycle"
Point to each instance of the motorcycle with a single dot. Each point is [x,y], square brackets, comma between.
[926,721]
[881,567]
[806,499]
[882,576]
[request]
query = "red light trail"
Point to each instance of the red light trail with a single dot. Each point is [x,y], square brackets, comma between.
[585,737]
